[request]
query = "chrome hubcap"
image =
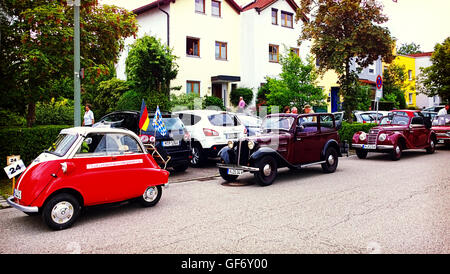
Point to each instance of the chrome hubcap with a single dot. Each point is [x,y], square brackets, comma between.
[62,212]
[150,194]
[397,149]
[195,156]
[267,170]
[330,160]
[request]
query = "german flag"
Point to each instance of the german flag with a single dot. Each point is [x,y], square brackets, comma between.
[144,121]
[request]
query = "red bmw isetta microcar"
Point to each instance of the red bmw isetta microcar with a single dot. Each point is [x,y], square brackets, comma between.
[84,167]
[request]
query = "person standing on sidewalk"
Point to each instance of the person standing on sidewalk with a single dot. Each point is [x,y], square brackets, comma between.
[88,120]
[241,105]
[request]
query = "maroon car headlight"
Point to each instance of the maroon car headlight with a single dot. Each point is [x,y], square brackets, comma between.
[382,137]
[362,136]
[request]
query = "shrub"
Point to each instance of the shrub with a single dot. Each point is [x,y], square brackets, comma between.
[109,93]
[56,112]
[213,102]
[130,100]
[10,119]
[186,101]
[246,93]
[348,130]
[27,142]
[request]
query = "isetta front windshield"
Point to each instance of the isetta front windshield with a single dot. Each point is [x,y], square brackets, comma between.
[62,144]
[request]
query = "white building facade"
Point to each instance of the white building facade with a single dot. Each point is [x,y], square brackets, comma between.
[220,44]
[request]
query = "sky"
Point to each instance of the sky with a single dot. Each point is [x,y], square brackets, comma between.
[424,22]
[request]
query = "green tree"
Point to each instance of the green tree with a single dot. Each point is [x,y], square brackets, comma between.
[150,66]
[435,79]
[408,48]
[342,31]
[296,86]
[37,46]
[394,79]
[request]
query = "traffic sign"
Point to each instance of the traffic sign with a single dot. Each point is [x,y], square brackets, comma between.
[379,82]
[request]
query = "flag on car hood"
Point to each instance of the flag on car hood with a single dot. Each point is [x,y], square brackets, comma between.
[144,121]
[158,123]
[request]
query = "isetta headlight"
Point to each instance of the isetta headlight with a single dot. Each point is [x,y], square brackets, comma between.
[362,136]
[251,145]
[382,137]
[230,144]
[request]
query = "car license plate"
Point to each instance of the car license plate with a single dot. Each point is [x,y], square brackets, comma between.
[369,146]
[17,194]
[232,171]
[171,143]
[232,135]
[441,141]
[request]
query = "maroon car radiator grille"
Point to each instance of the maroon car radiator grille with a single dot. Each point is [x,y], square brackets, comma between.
[372,136]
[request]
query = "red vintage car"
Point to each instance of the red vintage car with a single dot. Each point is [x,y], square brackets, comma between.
[84,167]
[403,129]
[441,125]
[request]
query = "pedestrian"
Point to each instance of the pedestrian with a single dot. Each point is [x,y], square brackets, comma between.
[443,111]
[88,120]
[287,109]
[241,105]
[309,110]
[294,110]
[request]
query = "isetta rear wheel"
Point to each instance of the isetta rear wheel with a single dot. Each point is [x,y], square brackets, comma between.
[267,171]
[61,211]
[151,196]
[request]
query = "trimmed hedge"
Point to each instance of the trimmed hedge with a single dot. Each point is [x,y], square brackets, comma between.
[27,142]
[348,130]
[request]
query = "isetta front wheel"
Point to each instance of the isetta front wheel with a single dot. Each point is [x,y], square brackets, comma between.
[151,196]
[61,211]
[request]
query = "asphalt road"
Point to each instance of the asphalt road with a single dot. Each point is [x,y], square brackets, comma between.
[366,206]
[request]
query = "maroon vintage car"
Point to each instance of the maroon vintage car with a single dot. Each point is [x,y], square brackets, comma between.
[287,140]
[403,129]
[441,125]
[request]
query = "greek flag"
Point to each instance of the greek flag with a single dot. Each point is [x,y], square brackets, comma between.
[158,123]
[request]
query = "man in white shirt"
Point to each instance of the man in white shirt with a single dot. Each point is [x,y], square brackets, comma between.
[88,120]
[443,111]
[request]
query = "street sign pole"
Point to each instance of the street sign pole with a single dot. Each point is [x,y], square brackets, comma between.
[76,59]
[378,94]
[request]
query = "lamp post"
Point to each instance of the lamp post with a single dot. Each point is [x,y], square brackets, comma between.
[76,61]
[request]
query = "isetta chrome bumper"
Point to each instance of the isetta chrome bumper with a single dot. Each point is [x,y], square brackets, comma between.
[28,209]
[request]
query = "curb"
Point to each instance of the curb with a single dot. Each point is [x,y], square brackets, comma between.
[3,203]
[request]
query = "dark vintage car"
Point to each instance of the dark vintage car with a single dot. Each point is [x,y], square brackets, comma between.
[441,125]
[403,129]
[287,140]
[175,144]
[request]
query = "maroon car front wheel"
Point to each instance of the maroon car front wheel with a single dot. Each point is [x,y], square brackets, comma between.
[396,153]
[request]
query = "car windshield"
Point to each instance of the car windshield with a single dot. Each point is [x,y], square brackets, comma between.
[250,121]
[62,144]
[223,120]
[443,120]
[170,123]
[398,120]
[277,122]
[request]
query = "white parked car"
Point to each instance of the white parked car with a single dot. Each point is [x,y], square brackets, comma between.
[210,131]
[368,116]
